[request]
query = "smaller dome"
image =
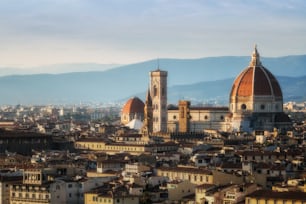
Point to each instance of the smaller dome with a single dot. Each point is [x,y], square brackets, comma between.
[133,105]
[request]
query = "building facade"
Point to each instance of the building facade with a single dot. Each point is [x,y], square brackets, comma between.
[256,99]
[255,103]
[272,197]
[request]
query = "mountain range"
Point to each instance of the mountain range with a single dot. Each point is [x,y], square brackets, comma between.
[205,80]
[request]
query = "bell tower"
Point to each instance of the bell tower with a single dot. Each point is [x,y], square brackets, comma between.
[158,89]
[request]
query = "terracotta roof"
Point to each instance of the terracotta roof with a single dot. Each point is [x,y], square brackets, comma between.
[256,80]
[133,105]
[186,169]
[266,194]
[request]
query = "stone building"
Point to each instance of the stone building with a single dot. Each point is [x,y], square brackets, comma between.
[256,99]
[255,103]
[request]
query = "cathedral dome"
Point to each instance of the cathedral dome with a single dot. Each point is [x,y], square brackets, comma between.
[133,105]
[133,109]
[256,84]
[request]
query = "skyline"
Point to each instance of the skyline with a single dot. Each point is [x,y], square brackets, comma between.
[36,33]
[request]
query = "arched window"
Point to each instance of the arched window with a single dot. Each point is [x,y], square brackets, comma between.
[262,106]
[154,90]
[243,106]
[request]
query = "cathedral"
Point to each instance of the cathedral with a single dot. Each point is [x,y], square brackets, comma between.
[255,104]
[256,99]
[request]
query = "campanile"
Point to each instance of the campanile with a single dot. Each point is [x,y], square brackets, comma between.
[158,89]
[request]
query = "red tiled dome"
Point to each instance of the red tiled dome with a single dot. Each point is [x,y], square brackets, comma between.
[255,80]
[133,105]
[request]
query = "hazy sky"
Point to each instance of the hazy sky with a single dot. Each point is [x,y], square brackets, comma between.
[40,32]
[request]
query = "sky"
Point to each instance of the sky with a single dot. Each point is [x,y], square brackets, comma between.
[45,32]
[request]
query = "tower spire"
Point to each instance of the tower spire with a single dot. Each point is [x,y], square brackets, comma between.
[255,58]
[147,126]
[148,97]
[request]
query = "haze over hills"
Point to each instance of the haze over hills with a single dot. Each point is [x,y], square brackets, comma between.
[212,92]
[56,69]
[202,80]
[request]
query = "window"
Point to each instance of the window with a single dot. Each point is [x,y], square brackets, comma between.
[205,117]
[276,106]
[154,91]
[243,106]
[69,185]
[221,117]
[174,117]
[262,107]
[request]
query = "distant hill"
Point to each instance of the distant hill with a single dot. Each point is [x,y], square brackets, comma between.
[56,69]
[218,91]
[205,79]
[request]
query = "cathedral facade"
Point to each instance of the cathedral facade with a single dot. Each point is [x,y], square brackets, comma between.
[255,103]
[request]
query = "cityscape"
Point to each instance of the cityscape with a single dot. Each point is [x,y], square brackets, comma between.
[181,129]
[152,152]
